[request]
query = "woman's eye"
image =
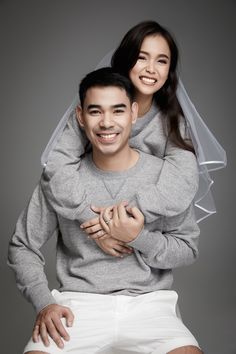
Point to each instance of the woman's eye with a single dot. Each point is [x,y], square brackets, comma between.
[162,61]
[141,57]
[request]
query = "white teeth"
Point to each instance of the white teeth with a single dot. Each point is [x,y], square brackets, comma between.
[148,80]
[107,136]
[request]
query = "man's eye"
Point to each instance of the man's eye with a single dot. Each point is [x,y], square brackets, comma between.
[94,112]
[119,111]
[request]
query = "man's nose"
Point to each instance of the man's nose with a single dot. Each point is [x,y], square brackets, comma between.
[107,120]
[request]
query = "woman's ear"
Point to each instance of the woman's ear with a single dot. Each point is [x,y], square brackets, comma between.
[134,110]
[79,115]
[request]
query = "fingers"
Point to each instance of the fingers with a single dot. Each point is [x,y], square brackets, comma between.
[100,234]
[105,227]
[121,210]
[56,331]
[68,314]
[44,334]
[97,209]
[124,249]
[115,214]
[105,216]
[49,323]
[135,212]
[107,213]
[119,251]
[105,237]
[93,229]
[90,223]
[114,247]
[35,335]
[115,253]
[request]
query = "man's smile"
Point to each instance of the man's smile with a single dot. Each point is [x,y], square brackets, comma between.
[107,137]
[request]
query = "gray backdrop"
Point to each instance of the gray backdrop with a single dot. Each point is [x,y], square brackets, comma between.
[46,48]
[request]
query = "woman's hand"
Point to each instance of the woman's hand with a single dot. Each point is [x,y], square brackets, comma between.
[114,247]
[93,227]
[126,222]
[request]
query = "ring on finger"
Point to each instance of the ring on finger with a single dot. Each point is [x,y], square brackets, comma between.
[107,220]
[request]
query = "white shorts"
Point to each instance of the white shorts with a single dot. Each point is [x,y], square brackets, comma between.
[120,324]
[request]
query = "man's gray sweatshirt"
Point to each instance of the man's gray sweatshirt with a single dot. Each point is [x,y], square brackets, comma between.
[171,195]
[163,244]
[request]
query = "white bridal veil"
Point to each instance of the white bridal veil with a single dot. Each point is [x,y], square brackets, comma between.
[210,154]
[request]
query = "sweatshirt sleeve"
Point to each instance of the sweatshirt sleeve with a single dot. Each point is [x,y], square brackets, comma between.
[176,186]
[175,247]
[34,227]
[60,180]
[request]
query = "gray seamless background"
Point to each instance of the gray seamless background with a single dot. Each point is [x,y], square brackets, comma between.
[46,48]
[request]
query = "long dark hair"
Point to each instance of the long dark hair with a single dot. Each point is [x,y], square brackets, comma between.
[126,56]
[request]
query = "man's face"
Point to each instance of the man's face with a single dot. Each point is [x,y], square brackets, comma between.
[107,118]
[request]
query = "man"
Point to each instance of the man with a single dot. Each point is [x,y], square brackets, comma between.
[107,304]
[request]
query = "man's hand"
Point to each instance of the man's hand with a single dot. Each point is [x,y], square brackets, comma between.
[114,247]
[93,227]
[126,222]
[48,323]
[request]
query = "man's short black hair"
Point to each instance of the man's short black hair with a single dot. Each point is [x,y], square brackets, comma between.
[105,77]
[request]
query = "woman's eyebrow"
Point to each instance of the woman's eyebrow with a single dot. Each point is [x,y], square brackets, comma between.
[162,55]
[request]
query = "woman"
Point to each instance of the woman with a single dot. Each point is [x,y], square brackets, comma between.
[148,55]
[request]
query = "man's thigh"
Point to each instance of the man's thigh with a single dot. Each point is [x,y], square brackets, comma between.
[92,329]
[36,352]
[186,350]
[149,324]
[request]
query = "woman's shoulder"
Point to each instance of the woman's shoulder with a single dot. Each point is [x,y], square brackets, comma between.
[150,162]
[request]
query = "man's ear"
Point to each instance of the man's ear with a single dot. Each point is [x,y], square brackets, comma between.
[79,115]
[134,111]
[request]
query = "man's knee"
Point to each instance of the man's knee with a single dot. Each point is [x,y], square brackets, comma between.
[186,350]
[36,352]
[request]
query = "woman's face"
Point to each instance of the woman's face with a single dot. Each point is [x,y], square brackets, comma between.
[152,67]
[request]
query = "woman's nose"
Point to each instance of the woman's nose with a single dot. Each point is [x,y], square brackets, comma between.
[151,67]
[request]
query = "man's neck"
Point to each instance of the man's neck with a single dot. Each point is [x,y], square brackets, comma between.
[120,161]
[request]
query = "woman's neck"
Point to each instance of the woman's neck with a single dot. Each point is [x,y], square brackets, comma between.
[144,103]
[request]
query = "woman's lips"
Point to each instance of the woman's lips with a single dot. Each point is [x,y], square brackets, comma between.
[148,80]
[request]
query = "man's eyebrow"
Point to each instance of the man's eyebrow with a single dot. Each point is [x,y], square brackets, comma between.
[119,105]
[162,55]
[90,106]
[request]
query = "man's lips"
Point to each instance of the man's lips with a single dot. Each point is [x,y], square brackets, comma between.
[107,137]
[148,80]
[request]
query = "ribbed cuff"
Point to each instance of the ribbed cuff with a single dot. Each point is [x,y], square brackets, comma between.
[40,296]
[145,242]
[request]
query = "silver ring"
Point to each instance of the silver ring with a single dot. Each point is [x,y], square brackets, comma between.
[107,221]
